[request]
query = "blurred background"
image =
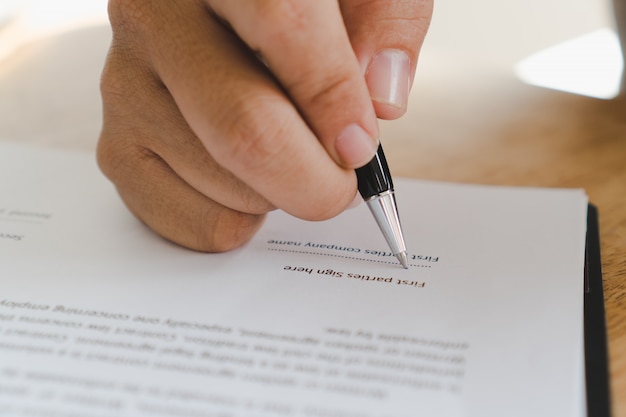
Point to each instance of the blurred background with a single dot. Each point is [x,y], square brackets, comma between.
[24,21]
[51,54]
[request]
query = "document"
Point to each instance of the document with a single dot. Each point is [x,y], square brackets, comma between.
[101,317]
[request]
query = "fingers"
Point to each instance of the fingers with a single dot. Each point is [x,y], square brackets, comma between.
[387,37]
[162,171]
[181,89]
[239,113]
[305,45]
[173,209]
[202,138]
[139,114]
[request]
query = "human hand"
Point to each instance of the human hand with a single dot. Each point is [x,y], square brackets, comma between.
[216,112]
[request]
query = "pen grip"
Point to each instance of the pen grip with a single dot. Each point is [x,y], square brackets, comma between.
[374,178]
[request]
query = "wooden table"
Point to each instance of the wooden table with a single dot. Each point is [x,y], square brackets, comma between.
[468,121]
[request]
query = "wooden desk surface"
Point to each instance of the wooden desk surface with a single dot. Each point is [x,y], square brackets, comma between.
[467,122]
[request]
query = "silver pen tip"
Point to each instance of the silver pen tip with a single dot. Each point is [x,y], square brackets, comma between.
[403,259]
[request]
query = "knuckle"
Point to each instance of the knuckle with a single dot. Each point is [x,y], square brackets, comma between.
[327,92]
[106,155]
[126,15]
[119,158]
[137,25]
[256,131]
[280,18]
[125,81]
[249,200]
[113,81]
[127,72]
[114,146]
[404,22]
[420,18]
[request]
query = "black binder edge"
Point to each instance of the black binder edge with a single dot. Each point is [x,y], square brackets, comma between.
[596,353]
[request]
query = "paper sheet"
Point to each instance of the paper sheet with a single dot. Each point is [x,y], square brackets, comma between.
[100,317]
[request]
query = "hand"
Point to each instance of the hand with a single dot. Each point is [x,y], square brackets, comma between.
[216,112]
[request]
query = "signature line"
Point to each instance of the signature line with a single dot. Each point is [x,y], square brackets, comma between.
[344,257]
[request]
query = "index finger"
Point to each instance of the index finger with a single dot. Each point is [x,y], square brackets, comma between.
[306,47]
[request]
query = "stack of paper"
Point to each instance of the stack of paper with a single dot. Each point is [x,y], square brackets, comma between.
[100,317]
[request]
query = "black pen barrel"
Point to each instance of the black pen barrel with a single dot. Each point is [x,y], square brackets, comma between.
[374,178]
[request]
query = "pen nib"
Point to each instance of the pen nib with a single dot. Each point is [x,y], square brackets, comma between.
[403,259]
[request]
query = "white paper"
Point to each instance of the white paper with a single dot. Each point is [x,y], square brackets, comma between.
[100,317]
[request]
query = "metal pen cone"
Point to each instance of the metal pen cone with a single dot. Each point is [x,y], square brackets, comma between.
[403,259]
[383,207]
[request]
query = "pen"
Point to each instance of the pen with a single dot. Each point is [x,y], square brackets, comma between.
[376,188]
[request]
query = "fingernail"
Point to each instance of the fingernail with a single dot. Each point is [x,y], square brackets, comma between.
[355,147]
[387,77]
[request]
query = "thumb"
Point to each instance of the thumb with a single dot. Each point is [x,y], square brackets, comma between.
[386,37]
